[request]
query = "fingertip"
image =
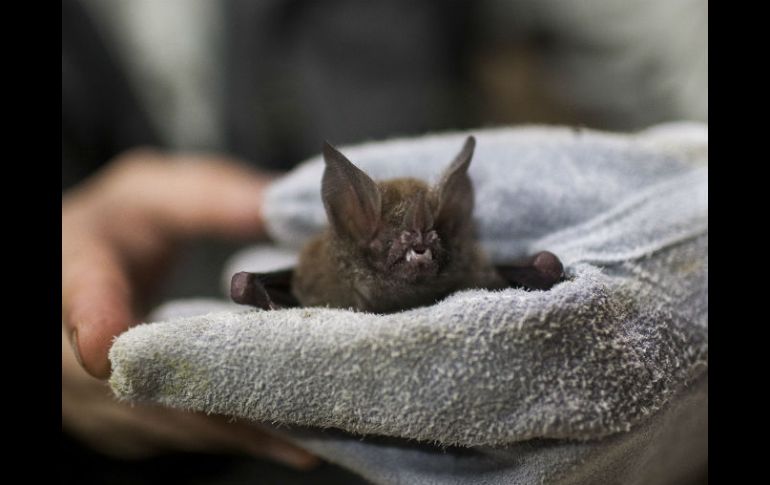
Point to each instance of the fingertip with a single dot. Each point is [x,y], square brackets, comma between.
[93,331]
[91,353]
[242,212]
[73,337]
[266,445]
[307,463]
[291,456]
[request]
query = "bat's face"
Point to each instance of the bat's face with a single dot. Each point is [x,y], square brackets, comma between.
[407,246]
[413,255]
[403,228]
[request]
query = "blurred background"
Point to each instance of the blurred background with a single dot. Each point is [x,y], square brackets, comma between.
[267,81]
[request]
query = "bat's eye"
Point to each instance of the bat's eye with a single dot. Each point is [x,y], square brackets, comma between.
[431,237]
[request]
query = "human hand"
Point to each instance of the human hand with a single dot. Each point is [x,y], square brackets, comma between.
[91,412]
[118,230]
[120,227]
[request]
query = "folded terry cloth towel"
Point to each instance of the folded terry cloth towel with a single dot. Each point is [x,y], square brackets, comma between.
[602,379]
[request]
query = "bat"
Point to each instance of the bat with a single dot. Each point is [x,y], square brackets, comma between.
[392,245]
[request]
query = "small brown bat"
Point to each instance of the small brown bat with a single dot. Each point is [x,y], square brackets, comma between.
[395,244]
[391,246]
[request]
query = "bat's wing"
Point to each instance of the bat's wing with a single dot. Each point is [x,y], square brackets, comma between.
[267,291]
[539,272]
[272,290]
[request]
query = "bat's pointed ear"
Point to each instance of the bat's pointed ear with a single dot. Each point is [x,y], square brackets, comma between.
[455,192]
[351,198]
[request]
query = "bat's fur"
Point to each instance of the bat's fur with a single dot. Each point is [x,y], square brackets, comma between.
[392,245]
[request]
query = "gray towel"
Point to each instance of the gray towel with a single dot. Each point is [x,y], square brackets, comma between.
[601,378]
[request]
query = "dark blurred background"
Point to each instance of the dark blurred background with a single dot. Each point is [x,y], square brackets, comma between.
[269,80]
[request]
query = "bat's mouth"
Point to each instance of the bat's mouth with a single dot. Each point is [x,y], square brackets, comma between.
[413,257]
[418,264]
[419,255]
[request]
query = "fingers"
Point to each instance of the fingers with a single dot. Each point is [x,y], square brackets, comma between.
[283,452]
[96,305]
[188,196]
[90,411]
[259,442]
[243,437]
[118,227]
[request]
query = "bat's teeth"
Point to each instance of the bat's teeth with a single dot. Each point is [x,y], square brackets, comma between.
[424,256]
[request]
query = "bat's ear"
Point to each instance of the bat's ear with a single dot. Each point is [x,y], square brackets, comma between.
[455,192]
[352,199]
